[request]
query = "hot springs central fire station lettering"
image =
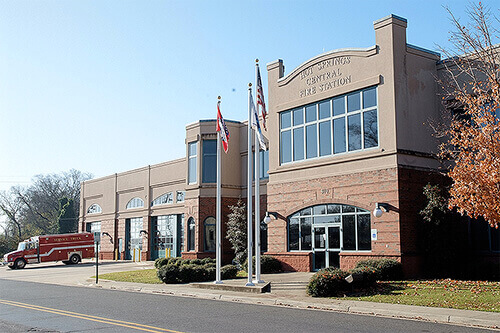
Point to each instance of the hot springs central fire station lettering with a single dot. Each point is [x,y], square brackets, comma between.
[322,77]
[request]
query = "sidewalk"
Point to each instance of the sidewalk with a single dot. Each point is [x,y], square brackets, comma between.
[289,290]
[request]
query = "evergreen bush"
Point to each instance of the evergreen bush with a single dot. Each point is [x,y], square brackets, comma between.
[228,272]
[386,269]
[268,264]
[328,282]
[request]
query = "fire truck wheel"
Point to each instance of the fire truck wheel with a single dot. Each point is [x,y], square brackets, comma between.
[19,263]
[74,259]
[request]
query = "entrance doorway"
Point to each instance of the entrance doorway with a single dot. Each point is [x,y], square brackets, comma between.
[326,246]
[133,238]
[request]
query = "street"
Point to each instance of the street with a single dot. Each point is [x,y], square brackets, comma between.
[46,308]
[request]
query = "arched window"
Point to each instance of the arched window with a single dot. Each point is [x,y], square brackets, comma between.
[166,198]
[94,209]
[191,234]
[209,234]
[342,227]
[135,203]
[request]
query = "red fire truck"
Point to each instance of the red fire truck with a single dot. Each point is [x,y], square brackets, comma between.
[68,248]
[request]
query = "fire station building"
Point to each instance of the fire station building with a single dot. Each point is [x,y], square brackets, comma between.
[346,134]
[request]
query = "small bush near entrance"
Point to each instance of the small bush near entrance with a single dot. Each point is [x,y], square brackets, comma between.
[386,269]
[268,264]
[328,282]
[363,277]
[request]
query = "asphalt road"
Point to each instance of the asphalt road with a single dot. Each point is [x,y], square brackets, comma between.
[36,307]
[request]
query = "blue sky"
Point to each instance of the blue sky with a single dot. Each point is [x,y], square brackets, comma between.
[108,86]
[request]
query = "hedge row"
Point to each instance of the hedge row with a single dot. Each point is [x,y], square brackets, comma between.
[178,270]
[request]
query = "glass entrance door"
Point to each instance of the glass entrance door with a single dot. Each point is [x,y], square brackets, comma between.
[326,247]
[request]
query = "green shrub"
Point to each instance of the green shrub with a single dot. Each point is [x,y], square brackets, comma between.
[169,273]
[161,262]
[328,282]
[228,272]
[389,270]
[386,269]
[268,264]
[207,261]
[363,277]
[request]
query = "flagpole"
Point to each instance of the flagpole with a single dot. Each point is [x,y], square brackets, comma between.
[249,189]
[218,226]
[257,195]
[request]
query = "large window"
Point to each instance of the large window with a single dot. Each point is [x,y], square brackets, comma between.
[341,124]
[135,203]
[191,234]
[94,209]
[209,168]
[166,198]
[263,164]
[209,234]
[354,223]
[192,162]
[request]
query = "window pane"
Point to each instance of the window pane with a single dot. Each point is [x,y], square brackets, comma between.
[324,110]
[286,120]
[319,210]
[210,234]
[325,138]
[286,147]
[348,209]
[306,212]
[264,163]
[310,113]
[192,170]
[311,141]
[338,106]
[192,148]
[319,238]
[333,209]
[354,125]
[298,117]
[333,238]
[339,135]
[353,102]
[370,129]
[191,234]
[305,233]
[298,144]
[293,234]
[369,97]
[209,171]
[348,232]
[364,237]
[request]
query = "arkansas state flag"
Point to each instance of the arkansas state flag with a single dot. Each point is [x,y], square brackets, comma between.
[224,133]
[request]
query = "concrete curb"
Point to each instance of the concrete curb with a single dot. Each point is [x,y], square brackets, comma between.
[468,318]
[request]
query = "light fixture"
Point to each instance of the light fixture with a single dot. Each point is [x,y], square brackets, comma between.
[267,218]
[380,208]
[143,232]
[107,234]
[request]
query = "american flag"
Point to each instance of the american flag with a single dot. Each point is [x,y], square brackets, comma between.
[260,98]
[224,134]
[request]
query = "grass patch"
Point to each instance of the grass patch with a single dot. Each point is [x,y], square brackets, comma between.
[138,276]
[447,293]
